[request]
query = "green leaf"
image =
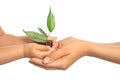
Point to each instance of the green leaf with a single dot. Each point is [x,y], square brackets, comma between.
[42,32]
[36,36]
[50,21]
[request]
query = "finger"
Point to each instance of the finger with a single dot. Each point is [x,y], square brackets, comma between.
[43,47]
[38,62]
[52,39]
[54,48]
[61,64]
[42,66]
[55,55]
[30,61]
[46,52]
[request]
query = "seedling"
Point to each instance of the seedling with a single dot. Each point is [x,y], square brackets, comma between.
[41,37]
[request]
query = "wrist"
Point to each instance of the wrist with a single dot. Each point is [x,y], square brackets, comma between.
[25,50]
[28,50]
[20,50]
[86,47]
[94,52]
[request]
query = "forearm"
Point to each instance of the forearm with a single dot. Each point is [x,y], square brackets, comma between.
[112,44]
[106,52]
[25,39]
[11,53]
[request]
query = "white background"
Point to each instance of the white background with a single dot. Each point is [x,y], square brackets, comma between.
[92,20]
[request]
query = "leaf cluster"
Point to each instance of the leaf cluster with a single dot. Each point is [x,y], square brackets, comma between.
[41,36]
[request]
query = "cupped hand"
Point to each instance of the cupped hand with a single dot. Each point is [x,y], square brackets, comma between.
[69,51]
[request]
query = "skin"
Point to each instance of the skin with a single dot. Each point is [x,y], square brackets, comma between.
[16,47]
[8,39]
[63,54]
[72,49]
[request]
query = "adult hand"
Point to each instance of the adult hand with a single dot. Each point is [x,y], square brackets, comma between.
[8,39]
[69,50]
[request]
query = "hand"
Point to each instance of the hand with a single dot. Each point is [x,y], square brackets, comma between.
[33,50]
[8,39]
[69,50]
[14,47]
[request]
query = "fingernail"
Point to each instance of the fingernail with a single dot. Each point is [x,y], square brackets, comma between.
[46,60]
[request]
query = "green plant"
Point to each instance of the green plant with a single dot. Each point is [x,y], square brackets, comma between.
[41,36]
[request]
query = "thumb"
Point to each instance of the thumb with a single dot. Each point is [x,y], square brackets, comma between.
[1,31]
[54,56]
